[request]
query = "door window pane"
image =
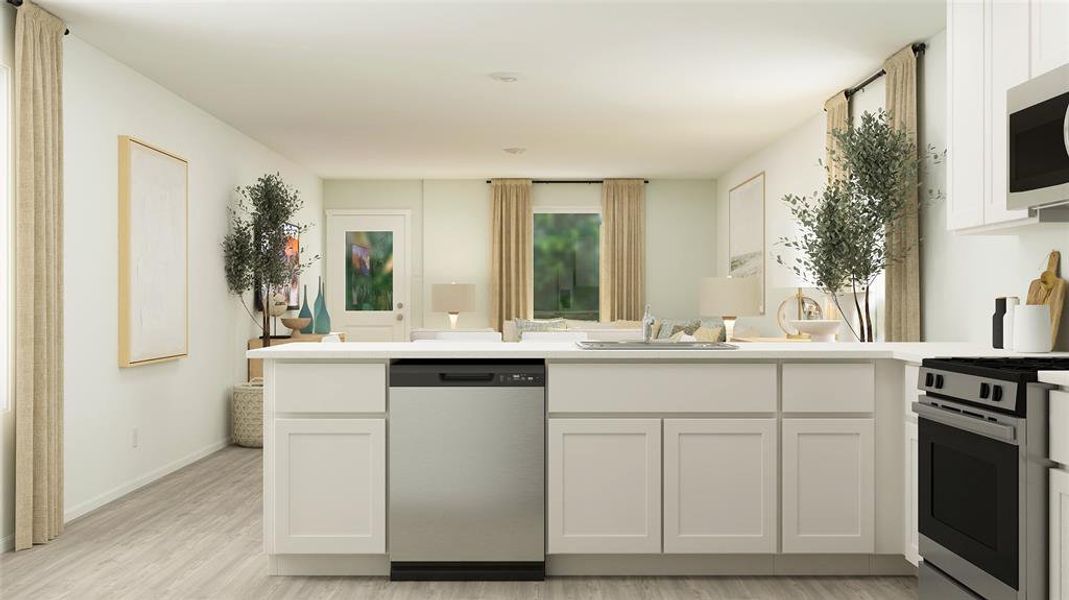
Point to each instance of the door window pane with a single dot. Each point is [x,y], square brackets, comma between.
[369,270]
[566,248]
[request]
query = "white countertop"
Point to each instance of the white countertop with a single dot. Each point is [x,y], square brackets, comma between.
[1055,377]
[444,349]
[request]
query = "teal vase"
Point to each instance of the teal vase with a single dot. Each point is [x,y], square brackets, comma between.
[306,313]
[322,318]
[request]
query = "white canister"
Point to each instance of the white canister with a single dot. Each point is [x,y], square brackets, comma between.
[1032,328]
[1007,321]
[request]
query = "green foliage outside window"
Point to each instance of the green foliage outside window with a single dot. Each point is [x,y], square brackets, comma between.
[566,262]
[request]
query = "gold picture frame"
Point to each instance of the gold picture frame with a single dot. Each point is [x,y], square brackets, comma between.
[153,254]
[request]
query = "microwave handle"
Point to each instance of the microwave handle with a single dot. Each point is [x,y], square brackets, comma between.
[1065,129]
[995,431]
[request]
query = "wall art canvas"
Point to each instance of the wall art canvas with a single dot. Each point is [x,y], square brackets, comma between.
[369,270]
[153,254]
[746,231]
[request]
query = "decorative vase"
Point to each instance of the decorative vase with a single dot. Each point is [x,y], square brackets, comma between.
[306,313]
[322,317]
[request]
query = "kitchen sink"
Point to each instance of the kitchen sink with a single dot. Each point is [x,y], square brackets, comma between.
[637,345]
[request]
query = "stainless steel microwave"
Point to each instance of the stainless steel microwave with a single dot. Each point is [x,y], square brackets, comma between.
[1038,138]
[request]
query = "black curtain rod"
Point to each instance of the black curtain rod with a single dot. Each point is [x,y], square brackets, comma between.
[918,49]
[568,181]
[18,3]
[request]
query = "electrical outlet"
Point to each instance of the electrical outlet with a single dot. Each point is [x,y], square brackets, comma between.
[133,438]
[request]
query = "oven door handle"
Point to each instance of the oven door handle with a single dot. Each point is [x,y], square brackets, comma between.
[995,431]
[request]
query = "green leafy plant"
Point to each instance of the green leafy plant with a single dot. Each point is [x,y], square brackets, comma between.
[254,249]
[843,230]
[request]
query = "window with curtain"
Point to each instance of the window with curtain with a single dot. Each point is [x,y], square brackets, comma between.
[566,265]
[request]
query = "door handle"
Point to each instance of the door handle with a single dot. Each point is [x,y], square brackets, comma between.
[995,431]
[1065,130]
[400,317]
[400,305]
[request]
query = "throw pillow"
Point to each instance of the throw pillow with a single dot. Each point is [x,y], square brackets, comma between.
[710,333]
[669,327]
[523,325]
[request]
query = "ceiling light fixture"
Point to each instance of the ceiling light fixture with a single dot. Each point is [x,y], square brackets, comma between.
[515,150]
[505,77]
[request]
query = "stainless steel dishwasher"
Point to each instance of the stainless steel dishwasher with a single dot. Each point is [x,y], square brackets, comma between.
[467,470]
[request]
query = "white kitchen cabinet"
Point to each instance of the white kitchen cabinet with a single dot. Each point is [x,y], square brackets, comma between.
[1007,26]
[1050,34]
[911,534]
[720,486]
[329,486]
[966,185]
[828,486]
[1059,534]
[604,486]
[992,45]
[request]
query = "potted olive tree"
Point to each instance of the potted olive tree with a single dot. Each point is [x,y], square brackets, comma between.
[843,230]
[254,249]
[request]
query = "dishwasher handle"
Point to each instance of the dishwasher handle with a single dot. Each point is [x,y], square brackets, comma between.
[470,377]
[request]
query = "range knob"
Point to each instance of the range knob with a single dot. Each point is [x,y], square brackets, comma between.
[929,380]
[997,394]
[985,391]
[938,382]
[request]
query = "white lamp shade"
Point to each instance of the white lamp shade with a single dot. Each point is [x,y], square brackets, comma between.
[729,296]
[453,297]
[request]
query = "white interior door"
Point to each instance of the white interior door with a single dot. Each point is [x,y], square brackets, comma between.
[368,276]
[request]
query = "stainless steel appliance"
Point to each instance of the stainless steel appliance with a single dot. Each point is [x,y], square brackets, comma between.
[982,477]
[1038,137]
[467,470]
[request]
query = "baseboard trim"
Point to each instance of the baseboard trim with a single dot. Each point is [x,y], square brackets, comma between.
[330,565]
[115,493]
[7,543]
[696,565]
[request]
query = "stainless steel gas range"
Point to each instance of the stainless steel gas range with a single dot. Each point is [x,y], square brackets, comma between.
[982,470]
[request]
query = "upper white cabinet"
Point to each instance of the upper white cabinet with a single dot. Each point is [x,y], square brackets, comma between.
[966,186]
[992,45]
[828,486]
[720,486]
[1050,34]
[604,486]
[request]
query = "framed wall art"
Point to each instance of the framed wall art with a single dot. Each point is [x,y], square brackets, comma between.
[746,231]
[153,254]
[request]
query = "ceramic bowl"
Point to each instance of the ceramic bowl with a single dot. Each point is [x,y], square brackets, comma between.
[819,330]
[296,323]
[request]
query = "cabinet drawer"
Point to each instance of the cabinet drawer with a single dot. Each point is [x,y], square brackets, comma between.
[837,387]
[1059,427]
[624,388]
[329,387]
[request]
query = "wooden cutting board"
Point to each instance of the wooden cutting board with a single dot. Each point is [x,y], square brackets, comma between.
[1050,289]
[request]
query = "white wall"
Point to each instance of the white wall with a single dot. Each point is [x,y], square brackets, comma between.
[179,407]
[451,241]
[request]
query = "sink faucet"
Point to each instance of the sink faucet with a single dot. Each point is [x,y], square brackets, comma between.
[647,325]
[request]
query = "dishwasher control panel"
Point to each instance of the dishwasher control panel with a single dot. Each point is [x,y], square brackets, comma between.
[467,373]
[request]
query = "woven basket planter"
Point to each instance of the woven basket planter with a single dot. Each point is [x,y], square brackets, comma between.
[247,414]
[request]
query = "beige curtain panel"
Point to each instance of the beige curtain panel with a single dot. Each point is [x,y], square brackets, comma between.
[903,287]
[623,249]
[38,276]
[512,251]
[837,112]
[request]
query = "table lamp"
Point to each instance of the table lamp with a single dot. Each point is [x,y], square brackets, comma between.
[453,298]
[729,298]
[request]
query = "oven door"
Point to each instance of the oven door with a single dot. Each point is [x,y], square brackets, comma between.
[968,488]
[1039,153]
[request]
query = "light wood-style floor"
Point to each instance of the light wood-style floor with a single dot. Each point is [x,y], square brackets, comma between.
[196,534]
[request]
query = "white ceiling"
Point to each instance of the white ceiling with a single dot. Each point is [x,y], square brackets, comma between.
[392,90]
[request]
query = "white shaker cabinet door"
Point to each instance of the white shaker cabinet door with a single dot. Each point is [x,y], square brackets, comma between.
[1059,534]
[828,487]
[1050,35]
[967,187]
[911,537]
[604,486]
[1007,66]
[720,486]
[330,486]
